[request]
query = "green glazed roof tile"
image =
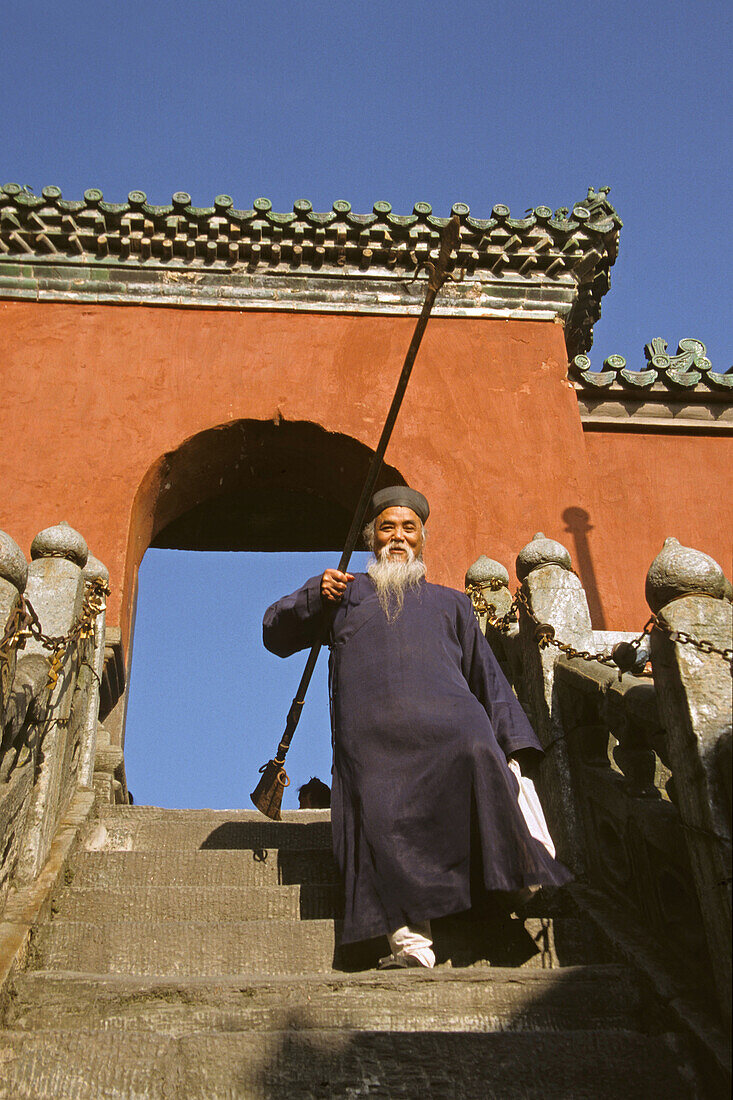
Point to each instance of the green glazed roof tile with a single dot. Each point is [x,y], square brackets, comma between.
[687,371]
[550,253]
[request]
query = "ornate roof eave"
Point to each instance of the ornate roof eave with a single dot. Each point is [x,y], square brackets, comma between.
[543,266]
[668,391]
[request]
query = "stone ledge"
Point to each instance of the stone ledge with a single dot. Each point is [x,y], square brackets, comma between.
[339,291]
[665,422]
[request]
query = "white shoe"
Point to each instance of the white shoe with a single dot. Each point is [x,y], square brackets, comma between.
[404,960]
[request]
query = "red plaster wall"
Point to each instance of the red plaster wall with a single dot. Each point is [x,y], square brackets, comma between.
[652,486]
[94,395]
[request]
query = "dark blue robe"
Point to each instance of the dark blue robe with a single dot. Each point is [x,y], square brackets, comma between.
[423,723]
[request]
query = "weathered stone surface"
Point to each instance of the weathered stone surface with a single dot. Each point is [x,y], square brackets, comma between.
[95,570]
[108,759]
[222,903]
[62,743]
[28,906]
[556,597]
[55,587]
[678,571]
[493,581]
[150,829]
[195,948]
[9,605]
[13,566]
[13,577]
[696,703]
[27,699]
[188,948]
[484,998]
[60,541]
[260,866]
[196,972]
[13,811]
[541,551]
[484,570]
[322,1064]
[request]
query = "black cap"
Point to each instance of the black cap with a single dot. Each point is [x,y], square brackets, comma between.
[398,496]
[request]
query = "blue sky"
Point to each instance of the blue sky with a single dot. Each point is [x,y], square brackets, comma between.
[406,101]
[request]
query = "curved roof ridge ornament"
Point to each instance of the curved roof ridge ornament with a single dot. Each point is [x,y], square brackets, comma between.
[688,369]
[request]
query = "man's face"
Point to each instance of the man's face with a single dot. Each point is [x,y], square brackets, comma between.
[397,531]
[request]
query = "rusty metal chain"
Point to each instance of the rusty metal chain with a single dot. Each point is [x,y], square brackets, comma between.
[624,654]
[24,624]
[544,632]
[481,607]
[684,638]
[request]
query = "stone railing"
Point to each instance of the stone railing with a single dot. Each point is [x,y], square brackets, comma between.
[636,778]
[51,668]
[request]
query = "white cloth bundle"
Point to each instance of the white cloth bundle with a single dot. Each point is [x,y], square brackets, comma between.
[531,809]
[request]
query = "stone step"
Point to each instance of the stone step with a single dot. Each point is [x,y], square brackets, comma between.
[478,999]
[194,903]
[149,829]
[536,942]
[265,867]
[187,948]
[199,948]
[77,1064]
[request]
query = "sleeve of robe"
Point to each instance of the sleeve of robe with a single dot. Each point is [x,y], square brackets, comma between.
[491,687]
[296,621]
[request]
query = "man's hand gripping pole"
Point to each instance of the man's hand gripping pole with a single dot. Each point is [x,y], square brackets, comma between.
[267,795]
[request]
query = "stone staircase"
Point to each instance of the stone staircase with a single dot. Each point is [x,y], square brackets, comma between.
[194,954]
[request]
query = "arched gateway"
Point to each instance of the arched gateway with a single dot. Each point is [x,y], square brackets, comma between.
[182,376]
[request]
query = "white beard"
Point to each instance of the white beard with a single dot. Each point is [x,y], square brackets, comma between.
[393,578]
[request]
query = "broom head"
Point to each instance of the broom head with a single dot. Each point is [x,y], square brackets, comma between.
[268,794]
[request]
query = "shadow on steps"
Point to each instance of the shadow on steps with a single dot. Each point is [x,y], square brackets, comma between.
[546,935]
[470,1066]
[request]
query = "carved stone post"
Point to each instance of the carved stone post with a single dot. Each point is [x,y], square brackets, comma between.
[13,578]
[492,580]
[93,570]
[689,593]
[55,588]
[555,596]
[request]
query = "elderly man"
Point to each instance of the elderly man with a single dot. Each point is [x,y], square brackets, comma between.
[424,728]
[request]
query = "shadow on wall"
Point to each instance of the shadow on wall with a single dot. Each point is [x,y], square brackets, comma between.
[578,525]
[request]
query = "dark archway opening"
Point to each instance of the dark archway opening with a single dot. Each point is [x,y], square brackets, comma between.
[255,485]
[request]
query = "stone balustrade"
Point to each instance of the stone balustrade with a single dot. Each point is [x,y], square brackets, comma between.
[49,701]
[691,596]
[636,779]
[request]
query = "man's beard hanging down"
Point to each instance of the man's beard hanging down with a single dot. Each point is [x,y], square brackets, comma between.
[393,578]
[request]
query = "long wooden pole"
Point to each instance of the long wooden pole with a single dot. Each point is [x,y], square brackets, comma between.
[267,796]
